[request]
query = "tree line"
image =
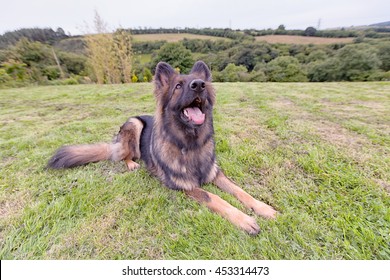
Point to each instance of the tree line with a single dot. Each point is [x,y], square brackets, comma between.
[238,34]
[52,57]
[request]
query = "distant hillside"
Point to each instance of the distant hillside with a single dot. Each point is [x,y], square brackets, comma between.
[381,24]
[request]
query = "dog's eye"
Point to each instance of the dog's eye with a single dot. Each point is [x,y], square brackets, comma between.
[178,86]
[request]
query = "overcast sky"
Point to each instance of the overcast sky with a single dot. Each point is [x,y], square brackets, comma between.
[72,15]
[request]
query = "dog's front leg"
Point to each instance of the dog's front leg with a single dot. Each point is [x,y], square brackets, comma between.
[223,208]
[260,208]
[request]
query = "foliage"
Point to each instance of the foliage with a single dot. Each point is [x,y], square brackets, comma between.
[4,76]
[232,73]
[357,62]
[147,75]
[207,46]
[384,55]
[73,63]
[324,71]
[134,78]
[123,53]
[310,31]
[35,62]
[351,63]
[176,55]
[109,55]
[42,35]
[285,69]
[117,56]
[17,70]
[147,47]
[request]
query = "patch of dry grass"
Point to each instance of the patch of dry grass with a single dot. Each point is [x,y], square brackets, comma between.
[302,40]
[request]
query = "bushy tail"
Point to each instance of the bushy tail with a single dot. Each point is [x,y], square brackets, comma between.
[76,155]
[125,147]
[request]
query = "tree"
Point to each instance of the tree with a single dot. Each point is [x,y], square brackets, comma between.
[384,56]
[285,69]
[351,63]
[310,31]
[176,55]
[324,71]
[281,30]
[233,73]
[357,62]
[316,55]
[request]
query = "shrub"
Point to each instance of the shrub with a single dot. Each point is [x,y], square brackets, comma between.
[357,62]
[324,71]
[51,72]
[16,70]
[285,69]
[134,78]
[4,77]
[233,73]
[176,55]
[384,56]
[257,76]
[148,76]
[379,76]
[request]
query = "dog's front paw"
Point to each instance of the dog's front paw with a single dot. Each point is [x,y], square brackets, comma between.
[264,210]
[249,224]
[132,165]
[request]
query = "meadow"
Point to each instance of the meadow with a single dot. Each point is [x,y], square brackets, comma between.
[271,39]
[319,153]
[302,40]
[174,37]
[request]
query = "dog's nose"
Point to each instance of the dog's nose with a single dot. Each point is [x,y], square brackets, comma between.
[198,85]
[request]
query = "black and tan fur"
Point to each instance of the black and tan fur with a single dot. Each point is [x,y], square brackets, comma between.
[176,145]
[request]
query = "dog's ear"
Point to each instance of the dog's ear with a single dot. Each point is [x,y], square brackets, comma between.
[200,68]
[163,74]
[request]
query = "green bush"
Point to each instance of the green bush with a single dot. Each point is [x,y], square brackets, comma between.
[51,72]
[4,77]
[379,76]
[74,63]
[257,76]
[16,70]
[285,69]
[147,75]
[357,62]
[384,56]
[323,71]
[176,55]
[233,73]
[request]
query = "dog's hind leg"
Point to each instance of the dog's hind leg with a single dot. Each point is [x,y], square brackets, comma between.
[260,208]
[128,143]
[223,208]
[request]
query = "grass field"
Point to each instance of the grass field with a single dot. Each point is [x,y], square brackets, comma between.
[302,40]
[319,153]
[173,37]
[272,39]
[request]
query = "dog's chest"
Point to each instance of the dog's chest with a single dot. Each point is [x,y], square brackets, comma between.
[181,168]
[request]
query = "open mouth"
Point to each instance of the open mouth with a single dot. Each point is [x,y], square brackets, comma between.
[193,113]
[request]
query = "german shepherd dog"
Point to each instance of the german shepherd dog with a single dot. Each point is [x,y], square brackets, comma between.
[176,145]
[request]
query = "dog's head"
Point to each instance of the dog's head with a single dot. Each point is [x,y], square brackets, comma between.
[184,101]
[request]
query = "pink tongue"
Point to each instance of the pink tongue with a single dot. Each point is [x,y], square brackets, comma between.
[195,115]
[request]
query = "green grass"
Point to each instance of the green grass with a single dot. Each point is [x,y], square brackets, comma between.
[319,153]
